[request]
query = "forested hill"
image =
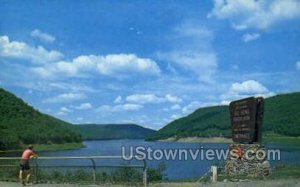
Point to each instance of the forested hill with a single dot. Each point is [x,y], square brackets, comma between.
[21,124]
[113,131]
[282,116]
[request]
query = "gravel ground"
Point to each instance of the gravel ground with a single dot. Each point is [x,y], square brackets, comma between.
[268,183]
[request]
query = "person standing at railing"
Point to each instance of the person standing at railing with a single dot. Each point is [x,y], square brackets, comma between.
[24,164]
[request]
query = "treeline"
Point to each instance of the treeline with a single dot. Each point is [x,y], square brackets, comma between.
[282,116]
[112,131]
[21,124]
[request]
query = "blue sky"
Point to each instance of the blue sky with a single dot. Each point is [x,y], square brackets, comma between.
[146,62]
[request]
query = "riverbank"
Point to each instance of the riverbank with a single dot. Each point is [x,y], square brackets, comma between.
[198,140]
[51,147]
[279,139]
[267,139]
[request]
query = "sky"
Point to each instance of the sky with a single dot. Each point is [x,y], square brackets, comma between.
[146,61]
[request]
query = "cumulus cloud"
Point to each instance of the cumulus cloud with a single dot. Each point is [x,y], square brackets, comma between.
[118,100]
[66,97]
[255,14]
[195,105]
[175,107]
[173,99]
[113,64]
[120,107]
[143,98]
[152,98]
[63,111]
[42,36]
[250,37]
[84,106]
[248,87]
[108,65]
[245,89]
[175,116]
[21,50]
[127,106]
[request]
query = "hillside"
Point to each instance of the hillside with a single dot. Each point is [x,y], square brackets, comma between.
[112,131]
[21,124]
[282,116]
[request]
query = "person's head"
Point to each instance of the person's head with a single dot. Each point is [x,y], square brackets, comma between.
[30,147]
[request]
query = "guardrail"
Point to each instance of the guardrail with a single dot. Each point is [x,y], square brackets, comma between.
[91,158]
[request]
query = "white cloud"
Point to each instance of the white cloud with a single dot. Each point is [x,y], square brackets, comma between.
[248,87]
[173,99]
[192,50]
[202,63]
[175,107]
[120,108]
[84,106]
[298,65]
[76,87]
[250,37]
[20,50]
[65,109]
[143,98]
[175,116]
[65,98]
[256,14]
[245,89]
[127,107]
[118,100]
[191,107]
[60,113]
[44,37]
[151,98]
[112,64]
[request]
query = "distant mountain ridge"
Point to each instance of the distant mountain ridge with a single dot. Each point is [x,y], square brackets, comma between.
[22,124]
[281,116]
[112,131]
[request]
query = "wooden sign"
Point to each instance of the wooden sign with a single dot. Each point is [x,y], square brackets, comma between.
[246,119]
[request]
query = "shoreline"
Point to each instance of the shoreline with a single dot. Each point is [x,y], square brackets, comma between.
[267,139]
[198,140]
[50,147]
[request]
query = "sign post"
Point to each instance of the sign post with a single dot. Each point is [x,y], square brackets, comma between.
[246,121]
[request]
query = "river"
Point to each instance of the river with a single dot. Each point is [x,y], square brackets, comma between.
[192,166]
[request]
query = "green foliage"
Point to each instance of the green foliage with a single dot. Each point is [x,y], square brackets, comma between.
[282,116]
[21,124]
[157,174]
[285,172]
[125,175]
[112,131]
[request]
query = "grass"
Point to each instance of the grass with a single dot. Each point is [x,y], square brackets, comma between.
[281,139]
[285,172]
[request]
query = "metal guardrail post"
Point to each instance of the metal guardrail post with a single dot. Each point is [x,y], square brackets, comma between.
[145,174]
[94,169]
[36,171]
